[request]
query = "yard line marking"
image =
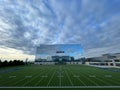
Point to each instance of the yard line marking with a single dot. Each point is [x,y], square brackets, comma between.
[108,76]
[92,76]
[60,81]
[40,79]
[51,78]
[60,75]
[78,78]
[12,76]
[11,81]
[37,75]
[83,74]
[38,82]
[89,79]
[19,81]
[43,78]
[28,76]
[113,80]
[108,80]
[69,78]
[81,81]
[101,80]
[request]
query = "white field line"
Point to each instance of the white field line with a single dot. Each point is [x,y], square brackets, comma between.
[98,79]
[103,81]
[12,76]
[92,76]
[60,75]
[33,74]
[24,78]
[27,78]
[108,76]
[81,81]
[51,78]
[60,81]
[42,77]
[107,79]
[112,80]
[37,75]
[78,78]
[38,82]
[10,81]
[7,81]
[19,81]
[90,80]
[69,78]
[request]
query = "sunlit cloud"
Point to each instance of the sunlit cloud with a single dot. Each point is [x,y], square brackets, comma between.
[12,54]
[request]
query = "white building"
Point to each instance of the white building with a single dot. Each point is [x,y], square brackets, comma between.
[106,60]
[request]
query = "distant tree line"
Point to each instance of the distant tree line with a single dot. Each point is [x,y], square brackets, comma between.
[11,63]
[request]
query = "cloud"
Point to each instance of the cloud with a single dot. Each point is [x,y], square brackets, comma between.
[102,50]
[26,24]
[11,53]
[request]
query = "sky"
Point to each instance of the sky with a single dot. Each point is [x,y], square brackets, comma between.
[46,51]
[25,24]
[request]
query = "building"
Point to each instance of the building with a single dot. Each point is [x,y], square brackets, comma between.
[61,59]
[58,54]
[106,60]
[58,60]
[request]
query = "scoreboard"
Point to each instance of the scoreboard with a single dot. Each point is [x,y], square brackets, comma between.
[60,52]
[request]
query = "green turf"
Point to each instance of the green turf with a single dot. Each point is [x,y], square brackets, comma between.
[58,75]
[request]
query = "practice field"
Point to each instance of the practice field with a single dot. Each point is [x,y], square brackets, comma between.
[73,76]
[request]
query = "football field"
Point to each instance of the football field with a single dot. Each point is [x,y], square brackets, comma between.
[70,76]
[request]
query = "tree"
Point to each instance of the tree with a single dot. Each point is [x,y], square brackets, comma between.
[5,63]
[0,63]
